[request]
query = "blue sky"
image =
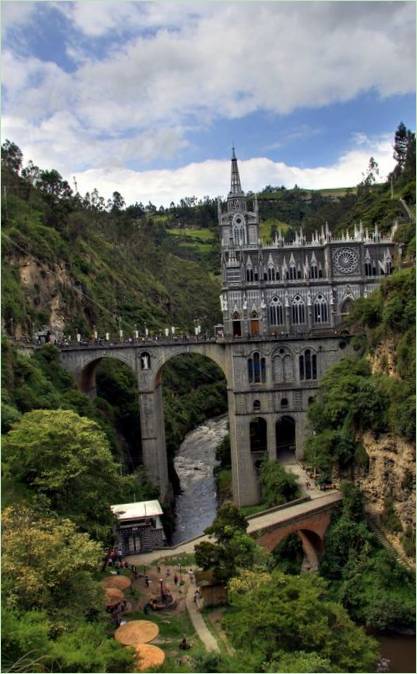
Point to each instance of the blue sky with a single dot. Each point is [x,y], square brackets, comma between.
[147,97]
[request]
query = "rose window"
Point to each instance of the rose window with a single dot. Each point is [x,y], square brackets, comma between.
[346,260]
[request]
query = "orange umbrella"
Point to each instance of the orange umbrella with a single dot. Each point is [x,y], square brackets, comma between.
[136,632]
[119,582]
[113,596]
[148,656]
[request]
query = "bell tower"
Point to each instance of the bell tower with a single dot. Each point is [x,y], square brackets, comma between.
[239,226]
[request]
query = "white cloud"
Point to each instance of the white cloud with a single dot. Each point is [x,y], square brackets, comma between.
[223,60]
[212,177]
[15,14]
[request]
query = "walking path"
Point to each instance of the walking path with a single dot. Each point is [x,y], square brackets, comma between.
[200,626]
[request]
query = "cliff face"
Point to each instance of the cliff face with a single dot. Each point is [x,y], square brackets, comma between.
[391,475]
[43,286]
[389,483]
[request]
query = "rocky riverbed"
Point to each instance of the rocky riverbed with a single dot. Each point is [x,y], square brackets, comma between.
[194,463]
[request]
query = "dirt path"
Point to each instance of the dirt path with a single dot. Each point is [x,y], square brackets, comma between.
[200,626]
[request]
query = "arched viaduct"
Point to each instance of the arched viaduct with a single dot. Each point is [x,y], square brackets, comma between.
[267,395]
[309,520]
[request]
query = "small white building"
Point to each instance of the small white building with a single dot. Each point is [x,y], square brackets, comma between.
[139,526]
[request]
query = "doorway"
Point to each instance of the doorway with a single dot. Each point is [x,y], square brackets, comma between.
[254,324]
[285,439]
[236,325]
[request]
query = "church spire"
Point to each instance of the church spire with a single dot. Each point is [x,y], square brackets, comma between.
[235,187]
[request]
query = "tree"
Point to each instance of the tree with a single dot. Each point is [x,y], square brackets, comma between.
[369,178]
[47,564]
[118,203]
[234,549]
[11,156]
[401,146]
[277,485]
[300,661]
[53,186]
[275,614]
[67,459]
[229,521]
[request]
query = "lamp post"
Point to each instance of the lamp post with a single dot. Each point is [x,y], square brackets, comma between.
[161,582]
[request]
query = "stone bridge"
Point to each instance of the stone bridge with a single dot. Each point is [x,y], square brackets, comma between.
[308,519]
[268,393]
[146,361]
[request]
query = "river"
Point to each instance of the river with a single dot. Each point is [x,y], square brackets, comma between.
[196,505]
[400,649]
[196,509]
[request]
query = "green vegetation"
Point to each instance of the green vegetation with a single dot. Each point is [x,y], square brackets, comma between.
[234,549]
[271,613]
[66,460]
[277,486]
[375,589]
[53,612]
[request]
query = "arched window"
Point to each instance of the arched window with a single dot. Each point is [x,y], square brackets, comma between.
[314,272]
[249,275]
[256,405]
[236,325]
[368,269]
[346,307]
[293,273]
[271,273]
[239,233]
[284,402]
[308,365]
[283,367]
[258,435]
[321,313]
[256,369]
[276,314]
[298,310]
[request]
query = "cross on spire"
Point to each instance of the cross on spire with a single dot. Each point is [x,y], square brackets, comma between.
[235,186]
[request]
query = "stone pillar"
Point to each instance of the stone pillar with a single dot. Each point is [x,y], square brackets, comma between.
[244,480]
[300,434]
[310,561]
[272,442]
[153,437]
[86,380]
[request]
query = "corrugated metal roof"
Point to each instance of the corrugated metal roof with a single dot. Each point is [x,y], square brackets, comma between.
[130,511]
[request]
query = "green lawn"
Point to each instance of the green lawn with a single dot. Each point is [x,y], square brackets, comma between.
[200,234]
[173,627]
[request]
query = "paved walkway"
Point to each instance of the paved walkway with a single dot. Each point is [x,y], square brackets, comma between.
[200,626]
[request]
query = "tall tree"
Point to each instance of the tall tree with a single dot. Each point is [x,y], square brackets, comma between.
[67,459]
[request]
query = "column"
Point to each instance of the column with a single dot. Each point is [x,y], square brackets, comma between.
[272,444]
[244,479]
[153,437]
[300,433]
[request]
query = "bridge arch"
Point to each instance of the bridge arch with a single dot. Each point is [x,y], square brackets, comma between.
[162,356]
[312,541]
[85,373]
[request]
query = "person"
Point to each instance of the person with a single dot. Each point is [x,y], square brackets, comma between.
[184,645]
[146,608]
[147,581]
[159,570]
[176,580]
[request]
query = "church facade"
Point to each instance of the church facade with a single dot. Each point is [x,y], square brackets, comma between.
[283,304]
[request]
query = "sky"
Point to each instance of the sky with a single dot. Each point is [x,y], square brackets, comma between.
[147,98]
